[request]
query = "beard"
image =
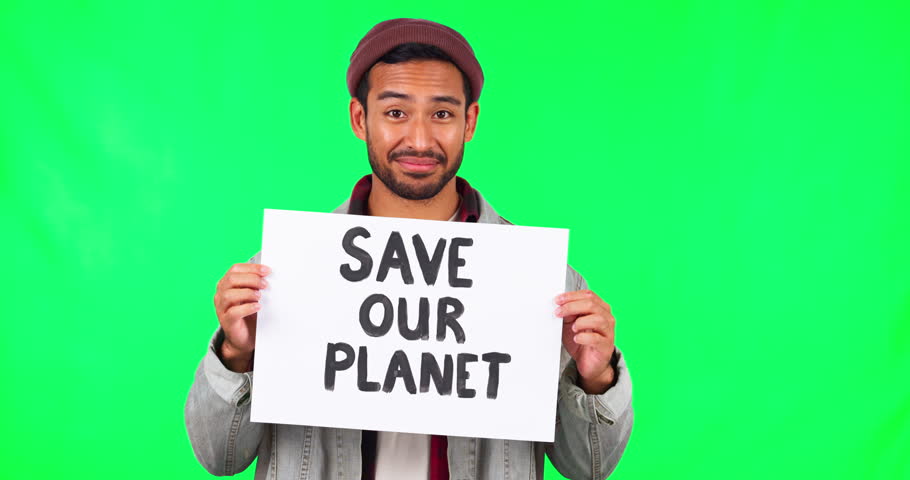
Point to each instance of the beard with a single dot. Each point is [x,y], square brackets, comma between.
[423,190]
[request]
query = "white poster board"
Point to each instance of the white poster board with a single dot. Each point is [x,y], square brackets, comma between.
[476,353]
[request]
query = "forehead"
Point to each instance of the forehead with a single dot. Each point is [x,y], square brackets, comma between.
[418,77]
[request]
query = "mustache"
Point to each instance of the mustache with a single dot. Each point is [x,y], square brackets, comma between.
[440,157]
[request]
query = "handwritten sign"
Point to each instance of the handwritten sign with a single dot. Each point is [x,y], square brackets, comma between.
[409,325]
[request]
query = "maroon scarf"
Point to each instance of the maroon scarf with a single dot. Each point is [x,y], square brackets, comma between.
[468,212]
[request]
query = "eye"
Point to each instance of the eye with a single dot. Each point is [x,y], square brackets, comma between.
[442,114]
[395,113]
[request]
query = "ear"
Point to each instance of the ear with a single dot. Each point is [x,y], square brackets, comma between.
[471,121]
[358,119]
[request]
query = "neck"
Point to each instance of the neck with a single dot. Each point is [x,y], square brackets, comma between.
[385,203]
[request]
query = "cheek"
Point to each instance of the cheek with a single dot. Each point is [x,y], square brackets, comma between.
[451,133]
[451,138]
[382,137]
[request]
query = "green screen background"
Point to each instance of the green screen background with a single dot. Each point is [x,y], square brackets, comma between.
[734,175]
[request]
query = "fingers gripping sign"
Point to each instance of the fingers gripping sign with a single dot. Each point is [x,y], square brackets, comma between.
[236,304]
[588,336]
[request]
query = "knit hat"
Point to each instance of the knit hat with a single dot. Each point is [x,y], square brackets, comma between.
[385,36]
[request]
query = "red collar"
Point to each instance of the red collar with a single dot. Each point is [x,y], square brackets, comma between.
[469,211]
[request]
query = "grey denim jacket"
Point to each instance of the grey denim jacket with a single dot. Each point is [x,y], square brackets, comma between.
[591,430]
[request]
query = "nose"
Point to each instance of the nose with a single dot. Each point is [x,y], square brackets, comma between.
[420,134]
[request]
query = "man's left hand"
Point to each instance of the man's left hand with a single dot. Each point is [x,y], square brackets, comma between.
[588,336]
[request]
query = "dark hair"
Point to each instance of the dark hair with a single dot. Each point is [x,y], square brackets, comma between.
[407,52]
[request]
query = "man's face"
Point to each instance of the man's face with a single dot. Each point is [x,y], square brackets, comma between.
[415,126]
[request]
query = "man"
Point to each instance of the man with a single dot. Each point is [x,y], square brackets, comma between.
[414,87]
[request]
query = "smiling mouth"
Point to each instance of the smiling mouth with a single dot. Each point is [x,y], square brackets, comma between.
[417,164]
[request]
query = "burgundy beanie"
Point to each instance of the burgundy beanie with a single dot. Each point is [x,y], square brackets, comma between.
[385,36]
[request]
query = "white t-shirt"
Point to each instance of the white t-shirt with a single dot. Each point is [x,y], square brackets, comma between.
[404,456]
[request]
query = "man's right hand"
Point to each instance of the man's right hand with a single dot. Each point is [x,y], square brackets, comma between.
[236,303]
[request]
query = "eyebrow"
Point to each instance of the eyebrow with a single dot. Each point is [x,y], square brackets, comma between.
[439,98]
[448,99]
[390,94]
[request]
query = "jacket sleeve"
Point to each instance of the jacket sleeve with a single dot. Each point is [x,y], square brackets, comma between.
[591,430]
[217,415]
